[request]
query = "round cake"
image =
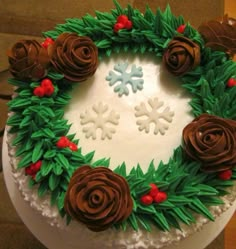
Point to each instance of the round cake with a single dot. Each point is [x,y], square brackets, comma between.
[122,128]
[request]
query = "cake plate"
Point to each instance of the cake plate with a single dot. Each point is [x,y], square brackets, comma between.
[55,238]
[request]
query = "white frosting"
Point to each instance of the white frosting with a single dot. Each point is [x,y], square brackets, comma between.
[128,144]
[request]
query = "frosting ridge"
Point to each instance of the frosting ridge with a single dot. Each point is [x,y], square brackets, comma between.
[28,60]
[220,34]
[181,55]
[212,141]
[98,198]
[74,56]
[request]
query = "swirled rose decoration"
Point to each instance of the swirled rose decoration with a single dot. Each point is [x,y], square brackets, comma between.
[98,198]
[28,60]
[212,141]
[220,34]
[74,56]
[181,56]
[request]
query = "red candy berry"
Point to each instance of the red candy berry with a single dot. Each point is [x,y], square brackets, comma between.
[122,22]
[46,82]
[154,190]
[225,175]
[48,41]
[28,170]
[181,28]
[37,166]
[231,82]
[33,169]
[73,146]
[122,19]
[154,195]
[39,91]
[48,86]
[146,200]
[129,25]
[118,26]
[160,197]
[49,90]
[63,142]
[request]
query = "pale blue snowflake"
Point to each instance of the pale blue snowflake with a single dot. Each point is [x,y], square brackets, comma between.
[125,78]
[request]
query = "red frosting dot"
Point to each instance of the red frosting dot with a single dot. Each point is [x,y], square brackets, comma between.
[118,26]
[73,146]
[231,82]
[154,190]
[39,91]
[225,175]
[37,165]
[46,82]
[29,171]
[181,28]
[128,25]
[146,199]
[49,90]
[160,197]
[63,142]
[48,86]
[33,169]
[122,19]
[48,41]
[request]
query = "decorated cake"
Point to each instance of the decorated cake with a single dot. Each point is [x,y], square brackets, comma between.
[122,128]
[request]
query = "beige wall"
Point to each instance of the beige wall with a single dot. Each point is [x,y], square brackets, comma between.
[230,7]
[32,17]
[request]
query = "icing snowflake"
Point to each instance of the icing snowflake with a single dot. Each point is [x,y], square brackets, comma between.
[154,116]
[99,120]
[125,78]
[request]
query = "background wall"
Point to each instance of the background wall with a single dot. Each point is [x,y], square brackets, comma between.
[32,17]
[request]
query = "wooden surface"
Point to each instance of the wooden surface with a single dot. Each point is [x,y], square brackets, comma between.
[230,230]
[230,8]
[33,17]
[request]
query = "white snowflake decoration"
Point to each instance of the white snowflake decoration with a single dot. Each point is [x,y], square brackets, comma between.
[155,115]
[100,119]
[125,78]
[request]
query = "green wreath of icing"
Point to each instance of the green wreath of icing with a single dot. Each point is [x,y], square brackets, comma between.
[39,124]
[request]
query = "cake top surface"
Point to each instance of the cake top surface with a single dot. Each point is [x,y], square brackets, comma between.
[177,71]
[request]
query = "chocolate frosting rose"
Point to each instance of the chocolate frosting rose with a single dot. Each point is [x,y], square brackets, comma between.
[74,56]
[28,60]
[98,198]
[212,141]
[181,56]
[220,34]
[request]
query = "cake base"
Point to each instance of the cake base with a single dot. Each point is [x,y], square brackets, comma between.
[62,239]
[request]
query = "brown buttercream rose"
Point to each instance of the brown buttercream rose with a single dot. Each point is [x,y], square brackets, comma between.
[212,141]
[98,198]
[181,56]
[220,34]
[74,56]
[28,60]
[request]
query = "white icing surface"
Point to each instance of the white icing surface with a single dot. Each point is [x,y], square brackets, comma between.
[128,143]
